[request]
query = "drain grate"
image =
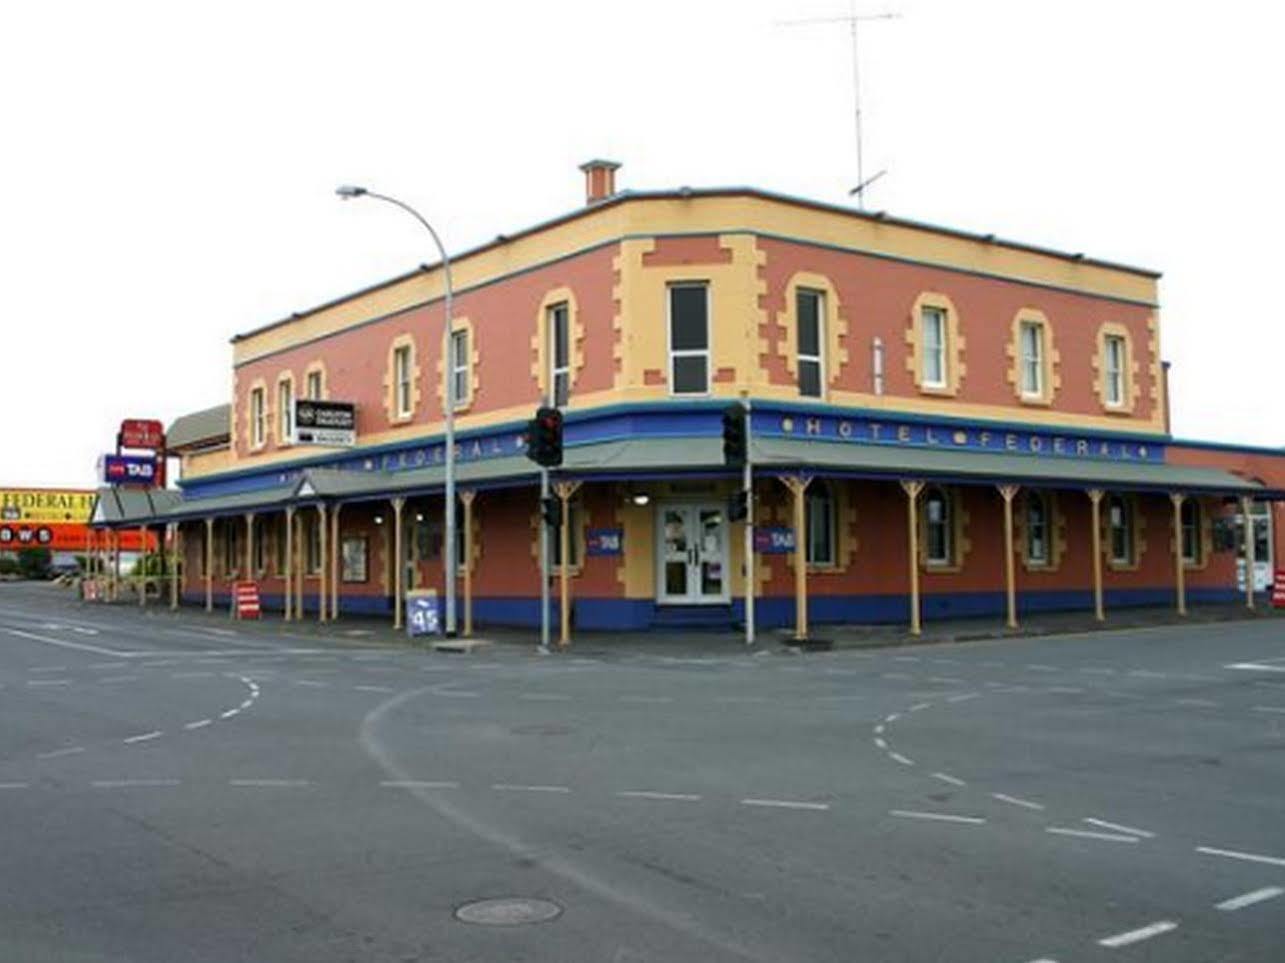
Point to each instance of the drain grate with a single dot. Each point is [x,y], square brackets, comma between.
[510,911]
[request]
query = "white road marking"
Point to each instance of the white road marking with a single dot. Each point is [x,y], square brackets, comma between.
[48,668]
[117,678]
[145,737]
[1119,828]
[1098,671]
[510,787]
[1087,834]
[947,679]
[198,724]
[229,713]
[1199,703]
[1255,708]
[133,783]
[192,675]
[544,697]
[1138,935]
[373,688]
[648,794]
[48,682]
[457,693]
[107,665]
[879,729]
[1016,801]
[1064,689]
[247,703]
[949,779]
[920,706]
[939,817]
[898,757]
[881,744]
[14,785]
[309,682]
[1256,667]
[1247,857]
[892,718]
[417,784]
[963,698]
[785,804]
[269,783]
[647,700]
[1036,667]
[897,675]
[81,646]
[737,700]
[905,658]
[1249,899]
[69,751]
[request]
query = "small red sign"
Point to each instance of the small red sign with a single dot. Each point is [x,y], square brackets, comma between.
[246,595]
[1278,589]
[142,433]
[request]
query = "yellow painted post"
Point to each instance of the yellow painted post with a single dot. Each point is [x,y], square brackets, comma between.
[209,565]
[399,564]
[912,490]
[1095,499]
[334,561]
[797,485]
[176,533]
[288,600]
[1246,505]
[142,567]
[1008,492]
[1179,576]
[466,497]
[115,564]
[564,491]
[322,566]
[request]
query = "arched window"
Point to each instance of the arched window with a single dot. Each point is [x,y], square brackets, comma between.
[939,528]
[819,522]
[1037,528]
[1120,529]
[1192,548]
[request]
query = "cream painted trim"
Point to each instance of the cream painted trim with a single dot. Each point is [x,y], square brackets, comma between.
[1050,360]
[846,542]
[405,340]
[1204,533]
[1138,532]
[955,344]
[834,329]
[474,359]
[540,354]
[318,366]
[960,545]
[1130,389]
[577,510]
[285,377]
[260,385]
[1055,522]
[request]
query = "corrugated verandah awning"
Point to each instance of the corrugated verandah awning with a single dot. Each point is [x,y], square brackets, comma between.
[650,457]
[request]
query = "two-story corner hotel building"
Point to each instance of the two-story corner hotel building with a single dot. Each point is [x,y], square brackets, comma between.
[955,424]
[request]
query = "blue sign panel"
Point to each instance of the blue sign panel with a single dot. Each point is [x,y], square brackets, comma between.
[129,470]
[604,541]
[423,615]
[773,539]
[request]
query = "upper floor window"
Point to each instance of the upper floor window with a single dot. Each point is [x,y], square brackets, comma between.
[1191,542]
[1037,528]
[559,354]
[689,339]
[810,309]
[460,366]
[1115,359]
[939,528]
[1031,356]
[313,385]
[819,513]
[932,339]
[1120,527]
[258,427]
[285,410]
[402,381]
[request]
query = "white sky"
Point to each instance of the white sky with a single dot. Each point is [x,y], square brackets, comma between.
[168,172]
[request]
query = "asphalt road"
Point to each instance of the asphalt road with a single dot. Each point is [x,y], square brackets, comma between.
[178,788]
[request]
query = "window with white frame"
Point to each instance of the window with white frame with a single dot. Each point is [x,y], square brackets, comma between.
[285,411]
[313,385]
[1115,352]
[1031,347]
[558,322]
[1037,528]
[1120,529]
[1191,543]
[939,531]
[810,310]
[819,524]
[402,381]
[689,339]
[460,366]
[932,346]
[257,426]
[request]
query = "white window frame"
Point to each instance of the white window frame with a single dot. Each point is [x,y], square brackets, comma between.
[285,411]
[1031,362]
[1034,498]
[258,415]
[821,491]
[819,358]
[312,385]
[948,528]
[402,387]
[939,315]
[461,371]
[707,352]
[561,310]
[1115,359]
[1126,527]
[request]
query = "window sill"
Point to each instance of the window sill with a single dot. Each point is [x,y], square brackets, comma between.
[1036,401]
[942,568]
[938,391]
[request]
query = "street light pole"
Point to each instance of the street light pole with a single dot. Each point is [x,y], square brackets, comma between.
[347,192]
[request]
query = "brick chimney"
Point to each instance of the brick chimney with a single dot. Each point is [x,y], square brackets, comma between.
[599,180]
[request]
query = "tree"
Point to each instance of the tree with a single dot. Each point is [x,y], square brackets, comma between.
[34,562]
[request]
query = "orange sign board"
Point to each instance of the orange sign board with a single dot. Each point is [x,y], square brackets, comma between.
[64,537]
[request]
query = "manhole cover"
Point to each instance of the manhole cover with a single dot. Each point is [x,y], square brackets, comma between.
[508,912]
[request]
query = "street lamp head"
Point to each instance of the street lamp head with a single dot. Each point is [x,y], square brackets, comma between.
[347,191]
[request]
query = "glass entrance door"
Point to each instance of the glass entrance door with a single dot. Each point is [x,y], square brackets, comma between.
[691,554]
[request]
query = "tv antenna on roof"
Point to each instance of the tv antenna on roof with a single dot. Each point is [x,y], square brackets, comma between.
[853,20]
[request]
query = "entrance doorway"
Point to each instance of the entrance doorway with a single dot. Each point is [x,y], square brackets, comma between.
[691,554]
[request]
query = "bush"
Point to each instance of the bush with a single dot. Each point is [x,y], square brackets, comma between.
[34,562]
[8,565]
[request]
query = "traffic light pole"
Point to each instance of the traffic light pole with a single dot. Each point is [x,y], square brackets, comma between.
[748,482]
[544,565]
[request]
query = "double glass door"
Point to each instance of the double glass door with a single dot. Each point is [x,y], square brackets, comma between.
[692,554]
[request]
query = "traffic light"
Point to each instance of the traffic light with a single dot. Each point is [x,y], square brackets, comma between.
[738,505]
[551,511]
[734,441]
[544,438]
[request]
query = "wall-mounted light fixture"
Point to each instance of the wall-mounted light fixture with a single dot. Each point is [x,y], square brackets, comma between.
[379,519]
[640,498]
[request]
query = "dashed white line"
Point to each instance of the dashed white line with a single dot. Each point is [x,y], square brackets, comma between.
[939,817]
[1280,709]
[48,682]
[373,688]
[1016,801]
[229,713]
[892,718]
[898,757]
[949,779]
[247,703]
[1088,834]
[198,724]
[647,700]
[879,729]
[269,783]
[1199,703]
[649,794]
[48,668]
[117,678]
[1120,828]
[14,785]
[880,743]
[920,706]
[145,737]
[310,683]
[1247,857]
[1036,667]
[133,783]
[1138,935]
[964,697]
[544,697]
[69,751]
[418,784]
[192,675]
[785,804]
[510,787]
[1249,899]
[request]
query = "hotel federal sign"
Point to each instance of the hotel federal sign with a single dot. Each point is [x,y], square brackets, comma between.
[1000,441]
